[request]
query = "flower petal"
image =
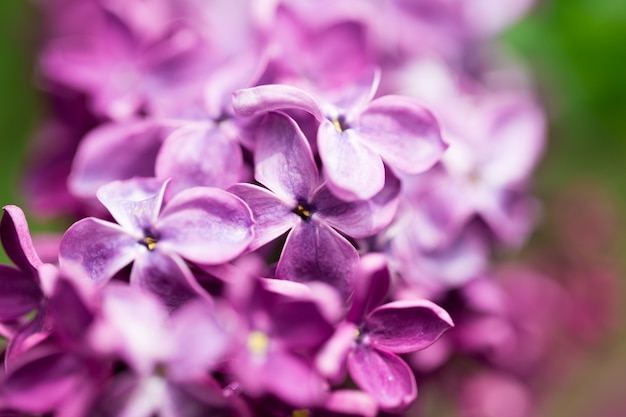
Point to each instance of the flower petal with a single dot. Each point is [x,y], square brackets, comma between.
[19,293]
[16,239]
[371,285]
[135,203]
[352,171]
[407,326]
[318,253]
[283,160]
[384,376]
[402,132]
[267,98]
[199,155]
[96,249]
[205,225]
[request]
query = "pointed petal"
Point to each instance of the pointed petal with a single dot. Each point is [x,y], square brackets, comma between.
[407,326]
[96,249]
[402,132]
[267,98]
[384,376]
[199,155]
[166,276]
[315,252]
[205,225]
[283,160]
[19,293]
[16,239]
[114,151]
[371,285]
[352,171]
[134,203]
[273,216]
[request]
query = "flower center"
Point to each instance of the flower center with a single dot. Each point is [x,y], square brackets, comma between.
[300,413]
[340,123]
[258,342]
[304,210]
[150,239]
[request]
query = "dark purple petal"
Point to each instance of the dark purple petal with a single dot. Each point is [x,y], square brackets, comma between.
[371,285]
[402,132]
[97,249]
[283,160]
[384,376]
[166,276]
[19,293]
[16,240]
[267,98]
[114,151]
[318,253]
[272,215]
[299,325]
[205,225]
[199,155]
[406,326]
[71,313]
[353,171]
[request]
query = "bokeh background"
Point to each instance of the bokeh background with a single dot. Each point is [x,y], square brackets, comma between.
[576,51]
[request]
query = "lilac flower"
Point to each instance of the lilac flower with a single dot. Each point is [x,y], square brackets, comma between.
[201,225]
[357,134]
[314,250]
[371,337]
[279,335]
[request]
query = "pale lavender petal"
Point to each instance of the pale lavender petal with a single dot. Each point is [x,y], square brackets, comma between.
[97,249]
[384,376]
[166,276]
[283,160]
[205,225]
[266,98]
[358,219]
[371,285]
[318,253]
[272,215]
[351,402]
[19,293]
[114,151]
[134,203]
[402,132]
[16,239]
[293,380]
[406,326]
[199,155]
[352,171]
[331,359]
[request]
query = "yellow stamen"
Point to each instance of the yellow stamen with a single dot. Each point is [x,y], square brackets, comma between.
[302,211]
[150,242]
[337,125]
[300,413]
[357,333]
[258,342]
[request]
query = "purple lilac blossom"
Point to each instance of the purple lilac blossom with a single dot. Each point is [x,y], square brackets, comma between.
[201,225]
[295,202]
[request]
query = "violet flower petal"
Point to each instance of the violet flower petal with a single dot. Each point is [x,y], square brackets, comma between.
[351,402]
[299,325]
[371,285]
[272,215]
[135,203]
[267,98]
[318,253]
[384,376]
[205,225]
[402,132]
[353,171]
[17,241]
[19,293]
[199,155]
[97,249]
[406,326]
[283,160]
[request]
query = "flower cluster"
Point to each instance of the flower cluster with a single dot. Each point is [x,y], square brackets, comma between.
[266,195]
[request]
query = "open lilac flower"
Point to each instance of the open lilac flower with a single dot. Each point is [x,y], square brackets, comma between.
[357,134]
[314,250]
[372,336]
[201,225]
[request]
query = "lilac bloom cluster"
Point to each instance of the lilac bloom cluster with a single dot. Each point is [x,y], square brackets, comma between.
[266,196]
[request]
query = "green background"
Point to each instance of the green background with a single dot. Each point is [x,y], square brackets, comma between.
[576,50]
